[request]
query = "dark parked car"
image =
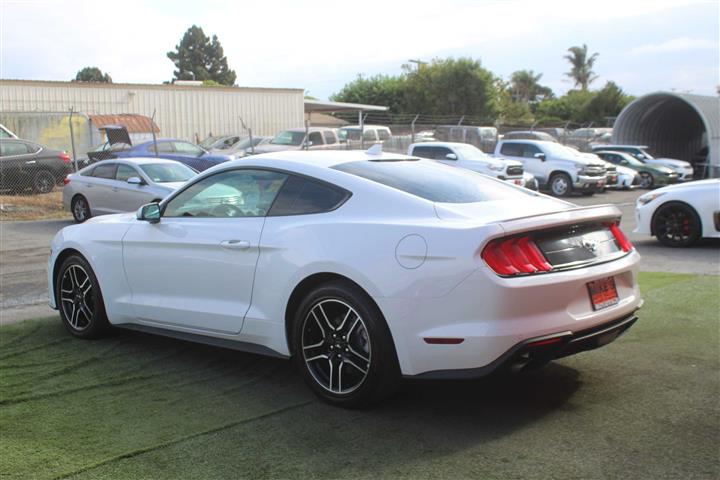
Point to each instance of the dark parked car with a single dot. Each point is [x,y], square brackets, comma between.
[119,145]
[28,166]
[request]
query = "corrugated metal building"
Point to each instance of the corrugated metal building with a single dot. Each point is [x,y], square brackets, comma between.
[182,111]
[674,125]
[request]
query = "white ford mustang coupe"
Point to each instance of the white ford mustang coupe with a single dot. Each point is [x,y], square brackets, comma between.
[362,266]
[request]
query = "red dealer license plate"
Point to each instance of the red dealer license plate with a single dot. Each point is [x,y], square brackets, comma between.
[603,293]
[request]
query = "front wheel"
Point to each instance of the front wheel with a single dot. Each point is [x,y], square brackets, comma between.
[646,180]
[676,225]
[79,299]
[343,347]
[560,185]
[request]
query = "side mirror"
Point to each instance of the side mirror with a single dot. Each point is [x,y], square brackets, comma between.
[149,213]
[640,156]
[540,156]
[309,143]
[135,181]
[451,156]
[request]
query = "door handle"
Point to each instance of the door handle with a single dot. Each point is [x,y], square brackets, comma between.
[235,244]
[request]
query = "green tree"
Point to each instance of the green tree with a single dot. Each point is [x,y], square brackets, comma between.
[452,87]
[197,57]
[582,66]
[92,74]
[525,87]
[511,111]
[606,103]
[383,90]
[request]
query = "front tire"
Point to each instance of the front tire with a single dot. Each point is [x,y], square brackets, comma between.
[343,346]
[79,299]
[80,209]
[560,185]
[676,224]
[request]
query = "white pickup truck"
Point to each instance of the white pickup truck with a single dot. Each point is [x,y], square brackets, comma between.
[558,168]
[467,156]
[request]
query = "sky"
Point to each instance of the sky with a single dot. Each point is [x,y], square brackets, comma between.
[319,46]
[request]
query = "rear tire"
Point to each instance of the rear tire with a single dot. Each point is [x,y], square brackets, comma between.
[80,209]
[43,181]
[646,180]
[343,346]
[560,185]
[676,224]
[79,299]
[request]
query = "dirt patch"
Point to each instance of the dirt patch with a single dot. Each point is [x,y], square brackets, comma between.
[32,206]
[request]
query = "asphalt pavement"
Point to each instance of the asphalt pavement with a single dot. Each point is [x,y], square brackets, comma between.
[24,248]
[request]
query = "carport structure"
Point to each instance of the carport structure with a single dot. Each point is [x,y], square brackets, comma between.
[316,106]
[674,125]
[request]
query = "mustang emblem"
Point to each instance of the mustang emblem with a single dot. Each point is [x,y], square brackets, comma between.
[590,245]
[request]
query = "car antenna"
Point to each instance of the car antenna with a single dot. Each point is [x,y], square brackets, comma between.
[375,149]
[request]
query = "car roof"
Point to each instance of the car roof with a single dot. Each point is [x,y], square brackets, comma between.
[137,160]
[528,140]
[365,126]
[617,145]
[310,129]
[441,144]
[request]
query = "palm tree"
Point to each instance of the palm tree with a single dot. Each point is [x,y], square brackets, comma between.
[525,86]
[581,72]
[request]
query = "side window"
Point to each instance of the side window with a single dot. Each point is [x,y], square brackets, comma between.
[383,134]
[106,170]
[8,149]
[369,135]
[423,152]
[300,196]
[329,137]
[32,148]
[441,153]
[315,138]
[124,172]
[530,150]
[229,194]
[162,147]
[512,149]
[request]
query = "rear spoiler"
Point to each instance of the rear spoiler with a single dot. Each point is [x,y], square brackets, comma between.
[595,213]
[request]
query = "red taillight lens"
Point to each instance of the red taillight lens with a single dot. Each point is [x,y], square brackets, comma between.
[620,237]
[66,180]
[65,157]
[513,256]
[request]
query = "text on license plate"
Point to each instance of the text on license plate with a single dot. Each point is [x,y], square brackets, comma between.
[603,293]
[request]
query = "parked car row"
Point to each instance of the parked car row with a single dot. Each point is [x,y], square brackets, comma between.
[26,165]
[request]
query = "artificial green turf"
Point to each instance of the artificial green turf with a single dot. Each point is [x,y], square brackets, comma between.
[138,406]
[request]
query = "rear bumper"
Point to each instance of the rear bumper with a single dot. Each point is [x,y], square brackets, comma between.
[538,351]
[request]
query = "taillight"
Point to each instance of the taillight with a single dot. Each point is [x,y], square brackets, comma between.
[620,237]
[515,256]
[65,157]
[66,180]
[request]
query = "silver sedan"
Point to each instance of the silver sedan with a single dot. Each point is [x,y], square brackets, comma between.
[121,185]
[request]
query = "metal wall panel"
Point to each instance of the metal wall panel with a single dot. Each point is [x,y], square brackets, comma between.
[181,111]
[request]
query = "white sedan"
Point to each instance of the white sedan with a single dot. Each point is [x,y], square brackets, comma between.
[679,215]
[363,267]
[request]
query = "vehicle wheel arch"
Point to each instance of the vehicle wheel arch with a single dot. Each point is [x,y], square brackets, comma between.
[679,203]
[68,252]
[307,285]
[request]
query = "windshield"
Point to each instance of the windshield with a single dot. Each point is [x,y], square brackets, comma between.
[470,152]
[209,142]
[434,181]
[168,172]
[646,153]
[289,138]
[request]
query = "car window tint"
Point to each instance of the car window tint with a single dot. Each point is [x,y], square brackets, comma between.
[124,172]
[32,148]
[13,148]
[369,135]
[529,150]
[106,170]
[187,148]
[383,134]
[315,138]
[235,193]
[441,153]
[329,137]
[512,149]
[162,147]
[434,181]
[301,196]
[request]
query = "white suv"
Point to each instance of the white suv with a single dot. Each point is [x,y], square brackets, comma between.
[556,167]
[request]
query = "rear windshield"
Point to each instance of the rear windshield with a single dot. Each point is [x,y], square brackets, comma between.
[434,181]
